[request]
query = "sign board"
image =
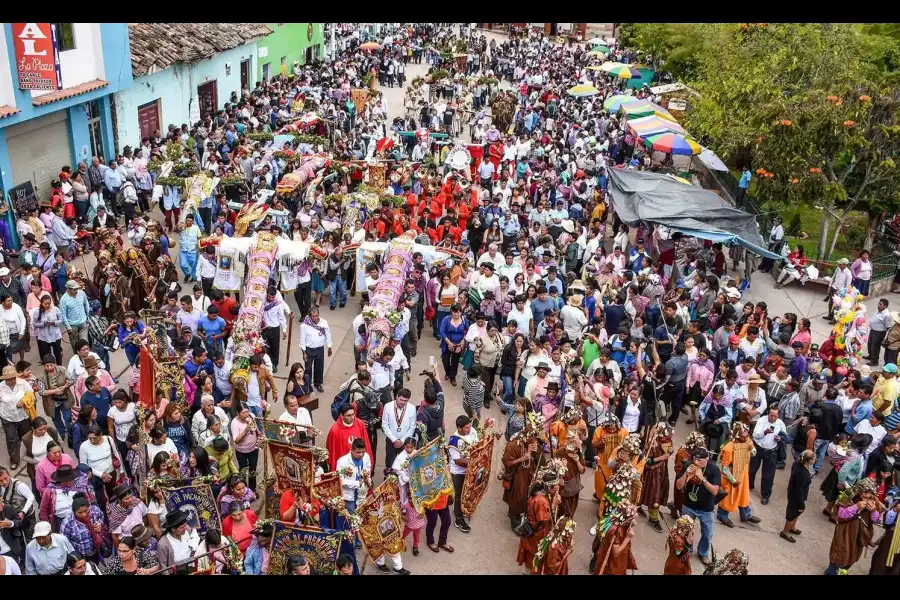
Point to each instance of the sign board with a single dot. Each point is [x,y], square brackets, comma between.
[676,104]
[23,198]
[263,51]
[37,56]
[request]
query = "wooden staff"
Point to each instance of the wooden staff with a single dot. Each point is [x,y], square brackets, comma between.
[612,543]
[290,333]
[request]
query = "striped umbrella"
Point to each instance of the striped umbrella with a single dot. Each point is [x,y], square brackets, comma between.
[673,143]
[653,125]
[614,103]
[599,51]
[582,91]
[645,108]
[620,70]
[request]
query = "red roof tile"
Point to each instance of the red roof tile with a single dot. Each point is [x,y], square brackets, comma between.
[77,90]
[6,111]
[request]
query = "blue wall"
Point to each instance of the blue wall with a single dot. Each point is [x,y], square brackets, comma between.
[116,64]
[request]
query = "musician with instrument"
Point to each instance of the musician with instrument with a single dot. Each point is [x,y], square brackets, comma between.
[700,481]
[116,292]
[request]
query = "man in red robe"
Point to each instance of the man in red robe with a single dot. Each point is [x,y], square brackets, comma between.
[341,435]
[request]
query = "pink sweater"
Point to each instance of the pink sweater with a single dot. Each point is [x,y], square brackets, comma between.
[700,372]
[45,469]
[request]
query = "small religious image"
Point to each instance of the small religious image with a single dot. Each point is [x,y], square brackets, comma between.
[225,262]
[386,527]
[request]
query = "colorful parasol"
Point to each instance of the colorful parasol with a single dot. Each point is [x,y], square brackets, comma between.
[624,72]
[614,103]
[370,46]
[384,145]
[644,127]
[582,91]
[645,108]
[599,50]
[673,143]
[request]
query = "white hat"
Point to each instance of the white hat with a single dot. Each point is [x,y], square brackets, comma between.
[42,529]
[568,226]
[733,293]
[4,272]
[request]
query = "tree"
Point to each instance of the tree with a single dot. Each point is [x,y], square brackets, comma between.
[679,45]
[807,106]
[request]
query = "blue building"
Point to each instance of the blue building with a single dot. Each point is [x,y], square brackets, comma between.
[42,130]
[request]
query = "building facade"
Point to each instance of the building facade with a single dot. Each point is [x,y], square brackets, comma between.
[289,43]
[182,72]
[76,68]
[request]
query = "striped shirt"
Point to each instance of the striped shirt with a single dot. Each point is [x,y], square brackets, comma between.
[473,392]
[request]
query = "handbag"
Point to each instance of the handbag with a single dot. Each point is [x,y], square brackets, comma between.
[522,528]
[116,463]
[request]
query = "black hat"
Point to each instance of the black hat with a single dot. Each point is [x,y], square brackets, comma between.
[122,490]
[861,441]
[488,265]
[63,474]
[175,518]
[553,386]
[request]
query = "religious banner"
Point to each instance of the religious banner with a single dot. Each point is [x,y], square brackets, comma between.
[359,97]
[328,489]
[377,177]
[227,277]
[198,502]
[429,477]
[295,467]
[318,546]
[478,474]
[382,522]
[287,433]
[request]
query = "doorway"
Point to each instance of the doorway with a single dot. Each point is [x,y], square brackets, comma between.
[245,74]
[148,119]
[208,97]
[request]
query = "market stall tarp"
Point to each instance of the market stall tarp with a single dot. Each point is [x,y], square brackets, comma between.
[655,198]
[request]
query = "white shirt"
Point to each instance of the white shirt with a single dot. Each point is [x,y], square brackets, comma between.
[153,450]
[207,268]
[350,484]
[183,547]
[223,381]
[767,441]
[98,457]
[76,366]
[39,446]
[574,320]
[274,316]
[15,319]
[509,271]
[310,337]
[497,259]
[303,417]
[123,420]
[9,397]
[382,374]
[877,434]
[398,423]
[523,319]
[752,349]
[455,452]
[24,490]
[254,394]
[198,422]
[189,320]
[842,278]
[632,416]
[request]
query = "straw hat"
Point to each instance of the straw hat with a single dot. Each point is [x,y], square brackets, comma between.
[8,373]
[895,316]
[575,300]
[755,378]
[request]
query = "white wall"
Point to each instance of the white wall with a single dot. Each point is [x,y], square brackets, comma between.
[85,62]
[7,95]
[176,86]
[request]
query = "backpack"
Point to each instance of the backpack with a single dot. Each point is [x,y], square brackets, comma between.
[340,399]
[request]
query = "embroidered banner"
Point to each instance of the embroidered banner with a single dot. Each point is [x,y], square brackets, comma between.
[382,522]
[295,467]
[377,177]
[328,488]
[227,277]
[478,474]
[286,433]
[429,477]
[198,502]
[318,546]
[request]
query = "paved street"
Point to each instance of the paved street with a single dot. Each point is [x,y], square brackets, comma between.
[491,547]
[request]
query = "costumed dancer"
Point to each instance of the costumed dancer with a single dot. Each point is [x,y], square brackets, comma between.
[607,438]
[542,505]
[886,558]
[857,512]
[571,453]
[625,482]
[734,462]
[734,562]
[521,458]
[553,553]
[655,478]
[612,543]
[679,544]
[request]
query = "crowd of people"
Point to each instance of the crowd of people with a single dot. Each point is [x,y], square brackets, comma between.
[591,337]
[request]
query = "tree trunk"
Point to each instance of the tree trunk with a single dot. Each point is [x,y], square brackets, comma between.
[823,238]
[874,222]
[839,228]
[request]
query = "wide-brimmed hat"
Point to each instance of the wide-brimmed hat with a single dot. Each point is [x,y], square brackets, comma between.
[72,285]
[755,378]
[140,533]
[553,386]
[122,490]
[568,227]
[8,373]
[90,361]
[541,365]
[63,474]
[861,441]
[575,300]
[175,518]
[844,261]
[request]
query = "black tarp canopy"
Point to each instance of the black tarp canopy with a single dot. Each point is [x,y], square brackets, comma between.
[656,198]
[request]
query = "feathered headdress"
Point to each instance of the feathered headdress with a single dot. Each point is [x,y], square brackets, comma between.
[734,562]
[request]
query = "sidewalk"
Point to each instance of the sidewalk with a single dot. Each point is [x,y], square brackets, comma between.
[803,301]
